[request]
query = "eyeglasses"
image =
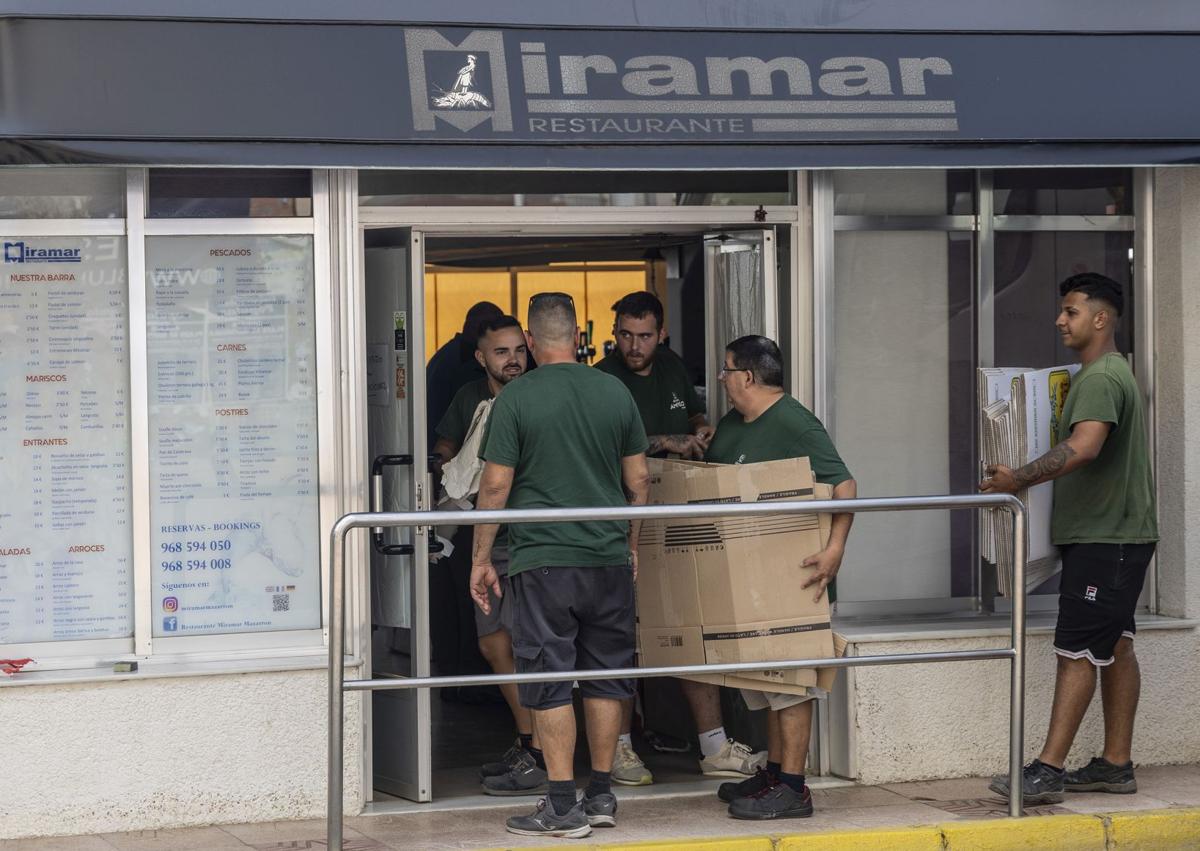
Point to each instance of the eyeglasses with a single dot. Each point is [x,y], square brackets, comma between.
[536,297]
[725,370]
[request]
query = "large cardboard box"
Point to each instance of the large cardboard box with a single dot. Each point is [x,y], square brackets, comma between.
[729,589]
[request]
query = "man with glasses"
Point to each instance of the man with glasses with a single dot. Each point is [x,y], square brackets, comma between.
[675,423]
[766,424]
[565,435]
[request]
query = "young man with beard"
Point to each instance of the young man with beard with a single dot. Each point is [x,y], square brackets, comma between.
[565,435]
[1104,524]
[766,424]
[502,353]
[675,423]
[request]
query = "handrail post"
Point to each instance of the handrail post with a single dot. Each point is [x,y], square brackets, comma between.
[1016,700]
[337,614]
[337,635]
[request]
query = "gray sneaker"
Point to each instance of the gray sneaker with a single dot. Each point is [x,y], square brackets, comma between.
[524,778]
[1041,784]
[601,811]
[502,765]
[1100,775]
[543,821]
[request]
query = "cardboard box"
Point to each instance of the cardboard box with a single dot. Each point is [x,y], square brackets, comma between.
[729,589]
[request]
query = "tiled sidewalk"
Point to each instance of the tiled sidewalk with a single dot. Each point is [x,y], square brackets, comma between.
[674,818]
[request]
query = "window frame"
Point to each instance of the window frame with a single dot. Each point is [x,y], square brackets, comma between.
[136,228]
[984,224]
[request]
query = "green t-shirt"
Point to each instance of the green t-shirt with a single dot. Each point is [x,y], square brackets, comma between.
[665,398]
[564,429]
[787,429]
[1111,499]
[454,423]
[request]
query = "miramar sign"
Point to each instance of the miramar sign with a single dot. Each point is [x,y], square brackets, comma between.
[528,86]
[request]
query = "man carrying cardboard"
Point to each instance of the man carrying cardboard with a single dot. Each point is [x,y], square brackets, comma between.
[502,352]
[766,424]
[565,435]
[675,423]
[1104,523]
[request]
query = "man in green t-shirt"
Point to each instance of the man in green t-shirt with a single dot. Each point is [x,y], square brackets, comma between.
[1104,524]
[657,379]
[502,352]
[675,423]
[766,424]
[565,436]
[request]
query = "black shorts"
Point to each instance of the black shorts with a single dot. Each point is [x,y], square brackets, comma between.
[572,618]
[1097,598]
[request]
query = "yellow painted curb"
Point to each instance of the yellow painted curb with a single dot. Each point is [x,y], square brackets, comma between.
[1155,830]
[733,843]
[891,839]
[1062,833]
[1174,829]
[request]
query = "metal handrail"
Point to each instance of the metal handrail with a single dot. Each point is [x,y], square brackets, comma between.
[337,598]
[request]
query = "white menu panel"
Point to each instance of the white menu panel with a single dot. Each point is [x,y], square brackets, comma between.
[233,434]
[65,530]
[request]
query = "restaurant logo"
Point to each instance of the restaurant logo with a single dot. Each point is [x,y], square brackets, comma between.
[462,84]
[610,93]
[21,252]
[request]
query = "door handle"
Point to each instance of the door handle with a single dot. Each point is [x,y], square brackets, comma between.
[377,532]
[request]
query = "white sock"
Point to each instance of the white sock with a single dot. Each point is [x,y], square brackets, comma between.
[712,741]
[625,739]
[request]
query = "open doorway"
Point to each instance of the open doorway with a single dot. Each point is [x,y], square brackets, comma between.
[712,284]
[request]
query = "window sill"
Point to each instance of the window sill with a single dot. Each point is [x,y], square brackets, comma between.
[860,630]
[149,669]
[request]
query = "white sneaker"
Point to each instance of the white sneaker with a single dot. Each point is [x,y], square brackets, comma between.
[734,760]
[628,768]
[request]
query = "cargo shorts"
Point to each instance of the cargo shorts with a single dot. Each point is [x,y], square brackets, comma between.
[573,618]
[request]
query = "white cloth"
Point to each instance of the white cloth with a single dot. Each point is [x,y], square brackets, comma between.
[461,474]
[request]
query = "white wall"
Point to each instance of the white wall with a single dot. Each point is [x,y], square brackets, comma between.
[1177,393]
[919,722]
[162,753]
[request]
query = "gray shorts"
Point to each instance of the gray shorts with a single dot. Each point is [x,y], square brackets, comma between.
[775,700]
[573,618]
[499,618]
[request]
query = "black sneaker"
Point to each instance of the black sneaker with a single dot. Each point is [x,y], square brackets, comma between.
[1041,784]
[665,743]
[543,821]
[502,765]
[601,810]
[778,800]
[1100,775]
[752,785]
[524,778]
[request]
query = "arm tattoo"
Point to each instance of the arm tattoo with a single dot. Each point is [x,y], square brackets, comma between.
[664,442]
[1045,468]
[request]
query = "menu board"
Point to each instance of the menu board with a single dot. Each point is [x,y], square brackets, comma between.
[233,434]
[65,530]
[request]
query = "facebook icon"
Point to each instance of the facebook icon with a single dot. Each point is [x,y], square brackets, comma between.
[170,624]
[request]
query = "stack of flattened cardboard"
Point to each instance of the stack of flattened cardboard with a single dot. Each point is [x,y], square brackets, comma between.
[729,589]
[1019,416]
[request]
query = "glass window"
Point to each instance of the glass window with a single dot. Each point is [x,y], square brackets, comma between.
[573,189]
[1029,267]
[65,530]
[902,406]
[233,435]
[903,192]
[220,193]
[62,193]
[1063,191]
